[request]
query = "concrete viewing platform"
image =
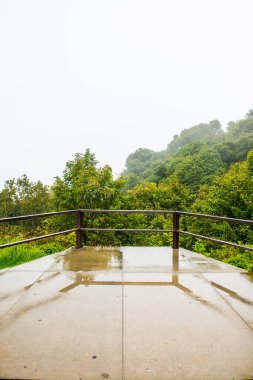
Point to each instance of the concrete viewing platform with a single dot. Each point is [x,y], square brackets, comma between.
[127,313]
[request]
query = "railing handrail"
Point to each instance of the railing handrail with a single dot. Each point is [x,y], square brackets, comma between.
[111,211]
[7,245]
[223,218]
[79,226]
[35,216]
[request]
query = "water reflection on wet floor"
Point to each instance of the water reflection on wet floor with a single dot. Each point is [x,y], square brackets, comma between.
[89,259]
[131,309]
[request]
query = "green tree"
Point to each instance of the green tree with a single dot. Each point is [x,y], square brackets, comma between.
[196,164]
[170,195]
[83,185]
[230,195]
[211,132]
[138,161]
[22,197]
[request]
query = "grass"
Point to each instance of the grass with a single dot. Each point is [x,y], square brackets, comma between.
[23,253]
[16,255]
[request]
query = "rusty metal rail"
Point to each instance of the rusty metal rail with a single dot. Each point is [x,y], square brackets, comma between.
[30,240]
[79,229]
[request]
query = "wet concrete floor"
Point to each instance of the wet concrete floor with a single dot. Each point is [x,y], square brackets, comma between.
[128,313]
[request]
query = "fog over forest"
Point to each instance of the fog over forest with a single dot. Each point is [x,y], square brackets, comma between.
[115,77]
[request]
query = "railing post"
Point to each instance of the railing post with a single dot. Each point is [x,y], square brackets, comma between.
[176,230]
[79,225]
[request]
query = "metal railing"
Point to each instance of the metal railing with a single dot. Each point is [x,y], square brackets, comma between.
[79,229]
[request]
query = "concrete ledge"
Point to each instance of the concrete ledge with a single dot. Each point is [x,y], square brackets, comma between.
[127,313]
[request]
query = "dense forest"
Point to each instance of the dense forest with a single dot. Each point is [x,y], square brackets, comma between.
[203,169]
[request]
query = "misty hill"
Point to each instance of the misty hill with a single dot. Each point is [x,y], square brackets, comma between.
[195,156]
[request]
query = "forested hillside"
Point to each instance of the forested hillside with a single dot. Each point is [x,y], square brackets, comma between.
[196,156]
[204,170]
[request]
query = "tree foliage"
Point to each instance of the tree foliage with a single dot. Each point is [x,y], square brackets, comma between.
[83,185]
[204,149]
[206,132]
[23,197]
[195,165]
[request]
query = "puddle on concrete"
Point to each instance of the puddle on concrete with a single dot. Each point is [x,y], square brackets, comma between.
[91,259]
[90,279]
[81,278]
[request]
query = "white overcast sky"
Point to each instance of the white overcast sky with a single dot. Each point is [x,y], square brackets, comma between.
[114,76]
